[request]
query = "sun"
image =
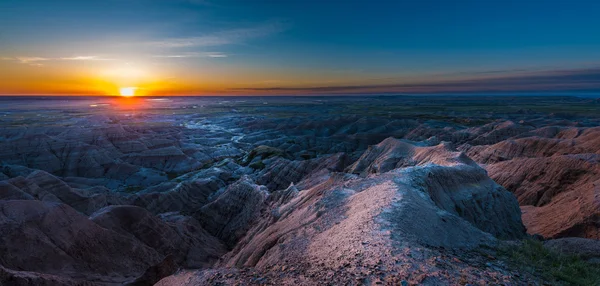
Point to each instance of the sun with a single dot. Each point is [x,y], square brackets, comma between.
[127,91]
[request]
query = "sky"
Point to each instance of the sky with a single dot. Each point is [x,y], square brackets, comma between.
[268,47]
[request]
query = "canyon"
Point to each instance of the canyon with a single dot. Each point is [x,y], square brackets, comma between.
[395,190]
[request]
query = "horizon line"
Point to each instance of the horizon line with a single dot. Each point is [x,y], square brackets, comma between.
[349,94]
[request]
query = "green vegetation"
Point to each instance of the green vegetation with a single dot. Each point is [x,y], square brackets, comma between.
[558,269]
[257,165]
[306,156]
[263,152]
[172,175]
[133,189]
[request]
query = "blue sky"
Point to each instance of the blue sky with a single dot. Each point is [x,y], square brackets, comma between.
[210,46]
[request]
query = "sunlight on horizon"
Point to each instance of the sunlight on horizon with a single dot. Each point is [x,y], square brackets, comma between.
[127,91]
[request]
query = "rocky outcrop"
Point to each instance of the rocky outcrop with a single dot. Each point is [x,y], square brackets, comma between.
[587,249]
[467,192]
[393,153]
[257,155]
[29,278]
[141,225]
[78,247]
[450,206]
[279,173]
[537,181]
[495,132]
[183,238]
[554,174]
[229,214]
[168,159]
[203,249]
[155,273]
[46,187]
[10,192]
[187,196]
[350,222]
[55,156]
[569,141]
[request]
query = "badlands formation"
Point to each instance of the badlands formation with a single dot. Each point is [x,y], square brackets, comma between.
[294,191]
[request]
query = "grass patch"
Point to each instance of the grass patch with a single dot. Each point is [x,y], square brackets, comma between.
[556,268]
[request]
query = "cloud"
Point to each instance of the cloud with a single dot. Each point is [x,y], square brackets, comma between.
[84,58]
[194,55]
[32,61]
[229,37]
[36,61]
[217,55]
[554,80]
[29,60]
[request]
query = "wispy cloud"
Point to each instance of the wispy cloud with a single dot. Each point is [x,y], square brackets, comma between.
[194,55]
[28,60]
[217,56]
[228,37]
[85,58]
[32,61]
[552,80]
[37,61]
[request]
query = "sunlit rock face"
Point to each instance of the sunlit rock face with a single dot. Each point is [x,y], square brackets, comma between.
[451,204]
[317,190]
[554,174]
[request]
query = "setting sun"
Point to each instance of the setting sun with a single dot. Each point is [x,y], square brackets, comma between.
[127,91]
